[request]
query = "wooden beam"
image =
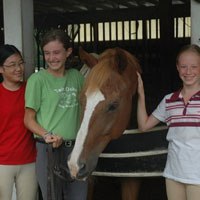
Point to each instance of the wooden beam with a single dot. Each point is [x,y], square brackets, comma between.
[53,20]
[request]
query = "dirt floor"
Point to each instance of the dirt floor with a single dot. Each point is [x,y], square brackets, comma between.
[110,189]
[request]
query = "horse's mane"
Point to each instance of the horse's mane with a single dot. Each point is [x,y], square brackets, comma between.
[97,77]
[101,72]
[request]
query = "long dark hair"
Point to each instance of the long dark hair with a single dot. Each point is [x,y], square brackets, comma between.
[6,51]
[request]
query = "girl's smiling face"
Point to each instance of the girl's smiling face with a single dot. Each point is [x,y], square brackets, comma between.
[13,68]
[188,67]
[56,55]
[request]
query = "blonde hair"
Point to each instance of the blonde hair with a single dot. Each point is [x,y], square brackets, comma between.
[191,47]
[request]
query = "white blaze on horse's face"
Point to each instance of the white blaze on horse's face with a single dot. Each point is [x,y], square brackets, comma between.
[92,100]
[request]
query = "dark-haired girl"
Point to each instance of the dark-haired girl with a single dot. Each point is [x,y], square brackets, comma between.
[17,145]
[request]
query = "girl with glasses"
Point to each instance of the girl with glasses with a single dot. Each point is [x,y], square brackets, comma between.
[17,145]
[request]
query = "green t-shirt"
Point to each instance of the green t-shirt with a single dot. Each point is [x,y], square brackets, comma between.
[55,101]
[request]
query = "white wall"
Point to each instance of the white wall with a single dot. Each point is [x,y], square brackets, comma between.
[195,22]
[18,29]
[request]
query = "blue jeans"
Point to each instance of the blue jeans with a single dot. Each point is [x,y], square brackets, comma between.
[76,190]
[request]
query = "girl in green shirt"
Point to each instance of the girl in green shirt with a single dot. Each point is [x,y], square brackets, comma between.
[53,112]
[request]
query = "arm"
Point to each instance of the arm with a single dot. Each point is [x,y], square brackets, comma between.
[144,121]
[31,123]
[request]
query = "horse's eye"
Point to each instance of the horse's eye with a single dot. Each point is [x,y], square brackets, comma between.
[112,107]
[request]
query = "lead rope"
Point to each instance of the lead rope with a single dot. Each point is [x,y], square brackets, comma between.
[50,179]
[55,167]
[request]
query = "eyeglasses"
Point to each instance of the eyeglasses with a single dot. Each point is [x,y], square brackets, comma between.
[15,65]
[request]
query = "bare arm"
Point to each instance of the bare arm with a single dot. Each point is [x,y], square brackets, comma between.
[145,122]
[31,123]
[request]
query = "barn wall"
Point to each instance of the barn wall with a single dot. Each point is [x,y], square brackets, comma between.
[153,34]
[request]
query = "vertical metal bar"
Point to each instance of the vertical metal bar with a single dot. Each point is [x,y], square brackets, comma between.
[144,30]
[136,29]
[91,35]
[122,30]
[110,32]
[96,37]
[150,34]
[177,27]
[129,30]
[103,32]
[184,27]
[156,28]
[116,32]
[85,34]
[79,36]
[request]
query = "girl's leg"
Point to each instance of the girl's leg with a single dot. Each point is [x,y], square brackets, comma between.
[41,168]
[193,192]
[26,182]
[175,190]
[7,178]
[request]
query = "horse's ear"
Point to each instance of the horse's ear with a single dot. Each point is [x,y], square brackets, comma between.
[87,58]
[121,60]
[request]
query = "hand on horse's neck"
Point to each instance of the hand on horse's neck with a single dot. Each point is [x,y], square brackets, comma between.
[187,93]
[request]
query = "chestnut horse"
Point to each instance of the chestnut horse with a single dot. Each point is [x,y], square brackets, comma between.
[106,101]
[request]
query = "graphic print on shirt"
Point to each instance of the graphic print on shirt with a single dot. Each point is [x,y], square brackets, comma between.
[68,97]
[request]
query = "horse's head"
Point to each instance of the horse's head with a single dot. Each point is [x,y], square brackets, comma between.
[106,106]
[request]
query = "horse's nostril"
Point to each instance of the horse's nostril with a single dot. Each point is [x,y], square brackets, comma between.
[82,174]
[82,167]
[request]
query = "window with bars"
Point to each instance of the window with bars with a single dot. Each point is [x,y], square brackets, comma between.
[130,30]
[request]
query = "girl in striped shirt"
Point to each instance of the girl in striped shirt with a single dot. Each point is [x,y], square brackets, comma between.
[181,112]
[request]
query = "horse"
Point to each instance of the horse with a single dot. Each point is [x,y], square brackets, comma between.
[106,101]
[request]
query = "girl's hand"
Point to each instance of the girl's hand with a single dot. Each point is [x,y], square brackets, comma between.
[56,140]
[140,85]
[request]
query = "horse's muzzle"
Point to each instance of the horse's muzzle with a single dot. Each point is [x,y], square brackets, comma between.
[81,170]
